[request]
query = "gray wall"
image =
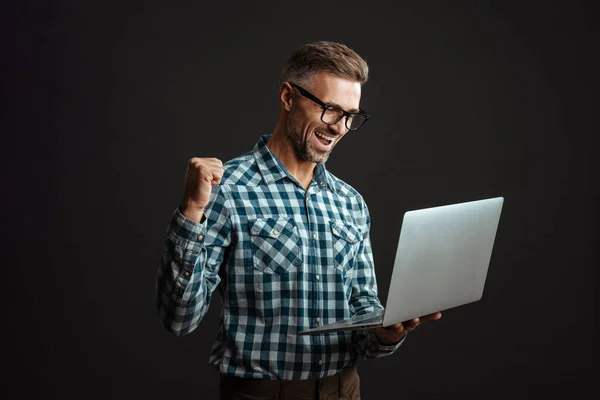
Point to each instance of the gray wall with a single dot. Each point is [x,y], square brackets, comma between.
[106,101]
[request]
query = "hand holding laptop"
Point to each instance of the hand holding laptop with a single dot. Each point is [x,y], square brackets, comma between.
[442,260]
[392,334]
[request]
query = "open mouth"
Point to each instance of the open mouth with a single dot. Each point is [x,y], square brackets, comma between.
[323,138]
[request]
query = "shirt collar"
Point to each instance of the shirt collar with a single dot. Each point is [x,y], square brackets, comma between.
[272,169]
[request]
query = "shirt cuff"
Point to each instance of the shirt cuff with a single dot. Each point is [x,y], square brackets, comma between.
[386,348]
[187,233]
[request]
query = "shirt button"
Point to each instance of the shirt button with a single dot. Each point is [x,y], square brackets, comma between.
[322,183]
[200,237]
[315,236]
[317,277]
[275,232]
[318,319]
[185,273]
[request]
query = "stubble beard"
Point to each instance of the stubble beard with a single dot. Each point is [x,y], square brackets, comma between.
[303,148]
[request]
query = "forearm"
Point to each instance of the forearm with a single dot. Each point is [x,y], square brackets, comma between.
[183,287]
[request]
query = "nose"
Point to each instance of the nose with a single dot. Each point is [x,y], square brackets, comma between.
[340,126]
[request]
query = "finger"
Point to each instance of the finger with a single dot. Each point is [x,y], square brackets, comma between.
[218,172]
[210,172]
[431,317]
[416,322]
[399,328]
[411,324]
[193,170]
[188,169]
[209,163]
[187,174]
[215,163]
[216,178]
[194,162]
[208,177]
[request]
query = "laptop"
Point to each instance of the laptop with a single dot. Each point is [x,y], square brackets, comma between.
[442,261]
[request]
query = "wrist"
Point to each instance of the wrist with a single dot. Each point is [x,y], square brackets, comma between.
[194,213]
[389,341]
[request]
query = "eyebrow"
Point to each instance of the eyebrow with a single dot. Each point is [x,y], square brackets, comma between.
[333,104]
[354,110]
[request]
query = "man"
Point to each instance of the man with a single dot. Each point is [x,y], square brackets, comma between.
[285,242]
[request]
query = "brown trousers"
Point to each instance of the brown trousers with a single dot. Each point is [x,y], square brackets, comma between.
[344,385]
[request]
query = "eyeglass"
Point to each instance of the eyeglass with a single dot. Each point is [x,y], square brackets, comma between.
[332,114]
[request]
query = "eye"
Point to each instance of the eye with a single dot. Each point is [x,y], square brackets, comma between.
[333,110]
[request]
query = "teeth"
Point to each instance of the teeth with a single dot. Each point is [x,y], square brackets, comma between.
[321,135]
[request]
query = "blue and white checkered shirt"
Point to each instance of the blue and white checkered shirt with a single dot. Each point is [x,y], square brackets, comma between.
[284,259]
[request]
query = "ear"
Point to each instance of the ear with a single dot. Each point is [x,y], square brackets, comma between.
[286,96]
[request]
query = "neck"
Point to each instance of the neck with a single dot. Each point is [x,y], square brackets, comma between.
[278,144]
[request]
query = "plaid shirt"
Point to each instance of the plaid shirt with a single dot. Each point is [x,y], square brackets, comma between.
[284,258]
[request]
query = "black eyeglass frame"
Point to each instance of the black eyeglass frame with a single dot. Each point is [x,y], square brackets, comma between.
[325,107]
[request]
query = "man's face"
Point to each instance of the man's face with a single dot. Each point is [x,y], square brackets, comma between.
[311,138]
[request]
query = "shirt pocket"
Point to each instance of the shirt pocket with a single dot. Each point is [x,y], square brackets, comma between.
[276,245]
[346,239]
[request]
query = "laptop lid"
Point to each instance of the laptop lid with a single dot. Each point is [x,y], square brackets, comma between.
[442,258]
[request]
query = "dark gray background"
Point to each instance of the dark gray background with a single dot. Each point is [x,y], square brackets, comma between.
[106,101]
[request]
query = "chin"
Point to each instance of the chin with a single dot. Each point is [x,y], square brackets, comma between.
[320,158]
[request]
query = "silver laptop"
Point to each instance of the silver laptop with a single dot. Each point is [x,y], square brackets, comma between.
[441,262]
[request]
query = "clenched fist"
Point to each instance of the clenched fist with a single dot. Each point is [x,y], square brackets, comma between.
[201,175]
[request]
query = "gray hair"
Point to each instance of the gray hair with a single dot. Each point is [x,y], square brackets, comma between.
[324,56]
